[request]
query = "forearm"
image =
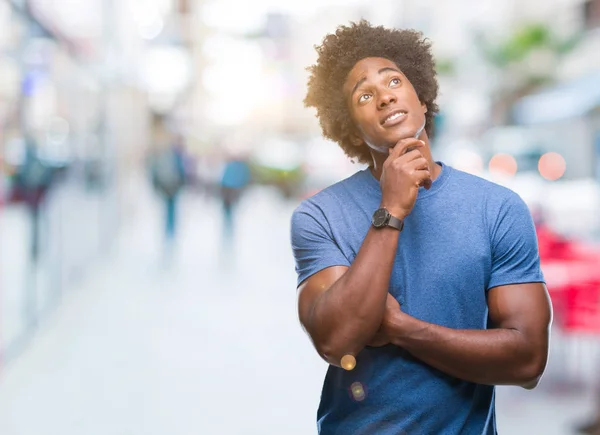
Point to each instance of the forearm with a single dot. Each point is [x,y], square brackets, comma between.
[346,316]
[492,357]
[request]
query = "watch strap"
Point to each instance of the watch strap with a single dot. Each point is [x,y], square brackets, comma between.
[396,223]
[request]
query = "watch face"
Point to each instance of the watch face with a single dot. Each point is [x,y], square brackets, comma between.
[380,217]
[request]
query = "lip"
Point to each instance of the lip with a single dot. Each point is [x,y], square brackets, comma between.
[398,120]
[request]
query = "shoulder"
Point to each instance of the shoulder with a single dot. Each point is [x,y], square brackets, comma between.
[498,205]
[326,199]
[494,194]
[481,184]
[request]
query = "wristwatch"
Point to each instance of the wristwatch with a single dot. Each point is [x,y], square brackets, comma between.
[382,218]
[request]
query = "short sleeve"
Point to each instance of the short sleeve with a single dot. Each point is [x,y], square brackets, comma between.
[514,245]
[312,244]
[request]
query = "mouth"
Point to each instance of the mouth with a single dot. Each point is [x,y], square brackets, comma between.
[394,117]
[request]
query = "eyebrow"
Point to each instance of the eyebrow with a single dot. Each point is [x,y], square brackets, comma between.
[381,71]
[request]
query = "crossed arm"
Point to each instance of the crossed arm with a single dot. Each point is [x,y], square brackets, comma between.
[513,352]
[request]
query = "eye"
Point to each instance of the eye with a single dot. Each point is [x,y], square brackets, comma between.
[394,82]
[363,98]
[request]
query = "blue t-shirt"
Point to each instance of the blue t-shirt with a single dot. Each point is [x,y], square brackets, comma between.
[464,236]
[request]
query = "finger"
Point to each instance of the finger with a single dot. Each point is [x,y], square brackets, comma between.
[422,177]
[421,164]
[412,144]
[416,163]
[412,148]
[401,147]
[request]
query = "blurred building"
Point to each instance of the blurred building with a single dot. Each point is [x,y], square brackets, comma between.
[566,113]
[80,80]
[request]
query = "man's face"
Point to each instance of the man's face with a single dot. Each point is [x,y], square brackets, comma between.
[383,104]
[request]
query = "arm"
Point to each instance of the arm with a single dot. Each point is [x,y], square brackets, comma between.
[513,353]
[341,308]
[515,350]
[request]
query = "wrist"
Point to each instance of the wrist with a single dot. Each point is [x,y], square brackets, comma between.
[396,212]
[401,328]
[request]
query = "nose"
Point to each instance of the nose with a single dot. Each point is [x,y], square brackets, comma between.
[386,98]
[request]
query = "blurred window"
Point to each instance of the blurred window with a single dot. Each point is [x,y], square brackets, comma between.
[591,13]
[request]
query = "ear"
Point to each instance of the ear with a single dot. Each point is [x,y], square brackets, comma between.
[424,106]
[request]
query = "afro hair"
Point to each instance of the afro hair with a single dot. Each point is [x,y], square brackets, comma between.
[338,54]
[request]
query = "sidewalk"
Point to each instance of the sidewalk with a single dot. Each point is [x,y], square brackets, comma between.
[70,240]
[208,345]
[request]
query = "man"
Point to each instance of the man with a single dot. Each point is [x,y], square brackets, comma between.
[168,173]
[234,180]
[426,277]
[32,182]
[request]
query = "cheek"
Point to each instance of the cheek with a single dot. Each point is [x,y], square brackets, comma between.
[361,121]
[416,100]
[408,95]
[369,129]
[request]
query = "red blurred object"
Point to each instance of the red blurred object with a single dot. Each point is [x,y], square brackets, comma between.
[572,272]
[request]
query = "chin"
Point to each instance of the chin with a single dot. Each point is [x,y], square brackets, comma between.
[401,132]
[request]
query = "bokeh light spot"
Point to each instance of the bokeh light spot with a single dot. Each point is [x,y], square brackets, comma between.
[504,164]
[552,166]
[348,362]
[358,391]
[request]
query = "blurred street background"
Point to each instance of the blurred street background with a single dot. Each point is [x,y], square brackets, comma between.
[151,155]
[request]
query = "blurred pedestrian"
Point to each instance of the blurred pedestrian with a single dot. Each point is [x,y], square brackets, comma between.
[31,183]
[167,168]
[234,180]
